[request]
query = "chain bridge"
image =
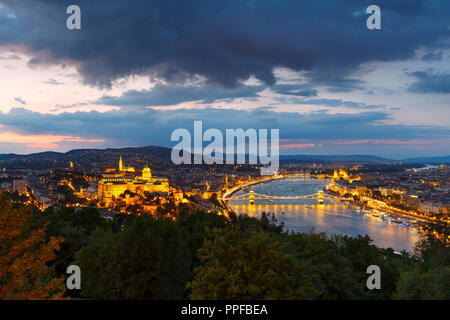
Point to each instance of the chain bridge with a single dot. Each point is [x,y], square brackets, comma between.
[252,196]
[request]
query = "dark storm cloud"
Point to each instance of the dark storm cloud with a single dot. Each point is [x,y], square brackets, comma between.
[224,41]
[168,95]
[163,95]
[149,126]
[430,82]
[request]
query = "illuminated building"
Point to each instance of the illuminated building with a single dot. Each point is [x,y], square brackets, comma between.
[113,185]
[335,175]
[20,186]
[207,194]
[122,168]
[430,207]
[410,201]
[342,183]
[342,174]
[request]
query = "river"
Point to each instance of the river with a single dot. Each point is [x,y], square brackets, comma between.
[332,217]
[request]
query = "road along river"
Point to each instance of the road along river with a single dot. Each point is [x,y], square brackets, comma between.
[332,217]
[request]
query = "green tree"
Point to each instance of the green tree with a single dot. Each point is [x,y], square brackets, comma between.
[149,259]
[75,227]
[234,267]
[196,225]
[429,277]
[332,273]
[418,285]
[361,253]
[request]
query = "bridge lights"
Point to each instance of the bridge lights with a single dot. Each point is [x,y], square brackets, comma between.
[251,198]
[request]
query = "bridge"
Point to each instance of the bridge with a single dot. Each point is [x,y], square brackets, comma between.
[252,196]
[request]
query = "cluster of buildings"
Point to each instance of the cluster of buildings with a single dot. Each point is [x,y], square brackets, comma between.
[116,182]
[114,186]
[124,187]
[426,191]
[94,178]
[38,187]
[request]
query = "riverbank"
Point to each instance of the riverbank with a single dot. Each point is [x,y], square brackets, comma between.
[226,196]
[332,217]
[379,209]
[385,212]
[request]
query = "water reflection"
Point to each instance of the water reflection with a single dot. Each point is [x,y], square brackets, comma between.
[331,217]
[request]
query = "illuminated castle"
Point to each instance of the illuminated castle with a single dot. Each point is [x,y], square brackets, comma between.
[113,185]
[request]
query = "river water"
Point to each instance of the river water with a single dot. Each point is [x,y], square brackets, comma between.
[332,217]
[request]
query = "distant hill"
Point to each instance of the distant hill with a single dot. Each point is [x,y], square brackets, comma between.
[337,158]
[165,153]
[88,158]
[429,160]
[160,152]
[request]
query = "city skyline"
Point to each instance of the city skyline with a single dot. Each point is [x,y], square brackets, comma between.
[224,150]
[366,158]
[313,71]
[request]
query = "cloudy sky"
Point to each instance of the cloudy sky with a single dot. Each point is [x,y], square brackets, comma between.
[137,70]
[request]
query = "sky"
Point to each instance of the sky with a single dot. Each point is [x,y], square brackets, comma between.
[138,70]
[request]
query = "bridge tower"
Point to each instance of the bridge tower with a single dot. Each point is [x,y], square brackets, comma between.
[251,198]
[320,197]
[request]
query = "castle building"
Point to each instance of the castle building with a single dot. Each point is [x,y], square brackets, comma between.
[113,185]
[122,168]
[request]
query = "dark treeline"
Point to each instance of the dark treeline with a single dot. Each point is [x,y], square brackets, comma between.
[203,255]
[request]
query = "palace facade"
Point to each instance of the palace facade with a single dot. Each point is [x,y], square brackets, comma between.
[113,184]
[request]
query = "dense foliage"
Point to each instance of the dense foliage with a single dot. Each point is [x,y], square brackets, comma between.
[203,255]
[24,252]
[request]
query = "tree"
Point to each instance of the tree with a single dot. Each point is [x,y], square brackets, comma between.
[75,227]
[332,274]
[196,224]
[24,254]
[362,253]
[239,268]
[429,277]
[419,285]
[149,259]
[267,223]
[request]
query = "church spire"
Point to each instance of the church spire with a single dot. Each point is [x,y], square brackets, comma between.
[120,164]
